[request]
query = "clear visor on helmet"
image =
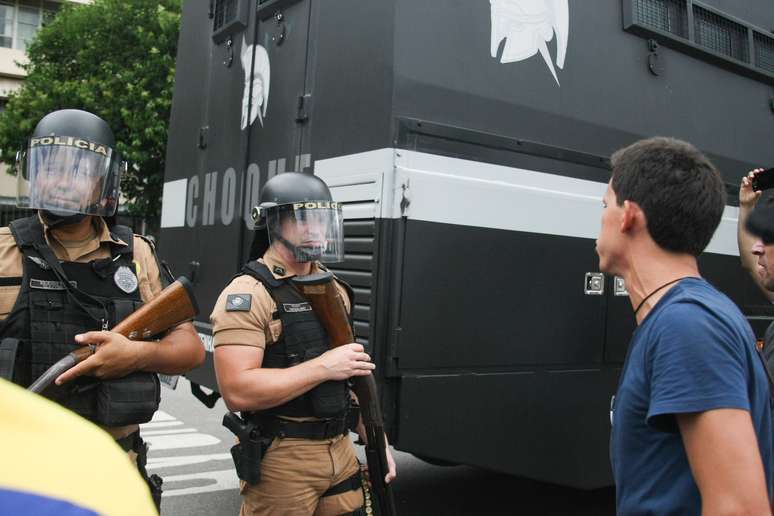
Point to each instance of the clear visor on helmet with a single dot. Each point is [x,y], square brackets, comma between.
[313,231]
[67,174]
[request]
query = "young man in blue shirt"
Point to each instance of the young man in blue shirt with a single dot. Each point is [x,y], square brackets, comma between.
[692,427]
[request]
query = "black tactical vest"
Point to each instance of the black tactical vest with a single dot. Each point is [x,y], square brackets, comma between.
[303,338]
[49,313]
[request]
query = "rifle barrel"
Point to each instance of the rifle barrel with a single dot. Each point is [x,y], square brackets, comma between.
[326,302]
[71,359]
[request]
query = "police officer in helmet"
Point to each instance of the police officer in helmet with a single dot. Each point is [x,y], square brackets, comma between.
[69,277]
[274,364]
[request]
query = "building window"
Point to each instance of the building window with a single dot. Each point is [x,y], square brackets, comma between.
[6,24]
[20,20]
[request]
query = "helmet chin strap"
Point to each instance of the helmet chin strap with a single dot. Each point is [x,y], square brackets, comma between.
[301,254]
[55,220]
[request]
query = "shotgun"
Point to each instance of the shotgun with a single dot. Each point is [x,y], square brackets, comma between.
[327,305]
[175,304]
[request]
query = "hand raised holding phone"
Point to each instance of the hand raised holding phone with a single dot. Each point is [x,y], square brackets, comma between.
[763,180]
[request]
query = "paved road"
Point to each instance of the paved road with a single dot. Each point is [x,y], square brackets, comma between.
[190,450]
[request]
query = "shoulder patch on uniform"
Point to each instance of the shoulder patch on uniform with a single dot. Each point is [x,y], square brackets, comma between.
[238,302]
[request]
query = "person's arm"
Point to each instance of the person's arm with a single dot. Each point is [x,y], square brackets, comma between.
[699,367]
[179,351]
[244,385]
[725,460]
[747,200]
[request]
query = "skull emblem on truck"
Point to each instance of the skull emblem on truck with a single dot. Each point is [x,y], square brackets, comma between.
[527,26]
[258,98]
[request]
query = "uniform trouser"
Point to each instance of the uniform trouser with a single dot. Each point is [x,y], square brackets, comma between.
[296,472]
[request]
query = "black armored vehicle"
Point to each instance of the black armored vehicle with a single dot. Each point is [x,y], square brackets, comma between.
[469,144]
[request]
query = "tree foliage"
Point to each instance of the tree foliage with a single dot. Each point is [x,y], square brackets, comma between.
[116,59]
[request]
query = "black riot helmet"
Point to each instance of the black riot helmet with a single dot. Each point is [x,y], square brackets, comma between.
[70,168]
[297,210]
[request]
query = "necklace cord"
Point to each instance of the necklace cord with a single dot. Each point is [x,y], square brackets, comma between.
[656,290]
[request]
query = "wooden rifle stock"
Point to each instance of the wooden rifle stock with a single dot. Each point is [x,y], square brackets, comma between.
[175,304]
[323,296]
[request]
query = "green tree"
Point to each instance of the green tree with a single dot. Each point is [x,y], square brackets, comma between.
[115,58]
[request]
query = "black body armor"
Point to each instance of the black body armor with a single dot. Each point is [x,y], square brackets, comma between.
[60,300]
[303,338]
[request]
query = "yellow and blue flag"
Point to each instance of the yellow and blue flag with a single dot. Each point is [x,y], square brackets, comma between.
[53,462]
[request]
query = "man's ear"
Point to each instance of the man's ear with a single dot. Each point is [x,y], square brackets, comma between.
[632,216]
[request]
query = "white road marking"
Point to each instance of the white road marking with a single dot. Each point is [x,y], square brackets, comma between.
[151,426]
[185,460]
[219,481]
[160,415]
[169,431]
[171,442]
[160,436]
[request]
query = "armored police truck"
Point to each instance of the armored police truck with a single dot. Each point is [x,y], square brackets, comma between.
[468,142]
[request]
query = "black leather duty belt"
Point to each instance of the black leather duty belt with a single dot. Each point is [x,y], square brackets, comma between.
[316,430]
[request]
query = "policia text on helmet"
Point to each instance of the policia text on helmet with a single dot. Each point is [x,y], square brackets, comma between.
[69,168]
[297,211]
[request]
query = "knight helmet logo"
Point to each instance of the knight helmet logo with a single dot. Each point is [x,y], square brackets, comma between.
[527,26]
[258,99]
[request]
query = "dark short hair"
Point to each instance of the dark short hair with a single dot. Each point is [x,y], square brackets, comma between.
[678,188]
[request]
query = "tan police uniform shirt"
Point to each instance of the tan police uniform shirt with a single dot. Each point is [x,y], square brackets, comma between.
[96,247]
[254,327]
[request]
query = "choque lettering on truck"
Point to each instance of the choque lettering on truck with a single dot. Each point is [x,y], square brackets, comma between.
[468,144]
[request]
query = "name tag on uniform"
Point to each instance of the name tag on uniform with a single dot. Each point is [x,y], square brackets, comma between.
[238,302]
[50,285]
[296,307]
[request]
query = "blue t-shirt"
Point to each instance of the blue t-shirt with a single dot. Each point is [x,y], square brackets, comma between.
[693,352]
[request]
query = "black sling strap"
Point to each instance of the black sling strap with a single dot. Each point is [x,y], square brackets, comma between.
[351,484]
[48,256]
[262,271]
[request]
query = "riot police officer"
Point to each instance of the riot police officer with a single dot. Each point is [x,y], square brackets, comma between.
[273,361]
[67,277]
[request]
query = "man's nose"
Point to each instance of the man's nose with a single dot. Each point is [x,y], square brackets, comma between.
[757,248]
[61,174]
